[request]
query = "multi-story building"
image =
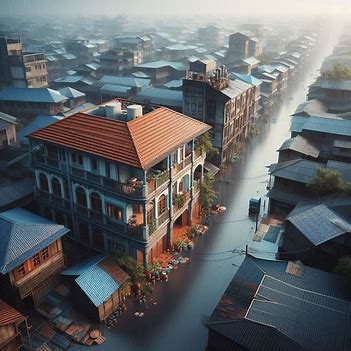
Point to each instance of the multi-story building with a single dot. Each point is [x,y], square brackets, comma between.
[243,45]
[117,62]
[7,130]
[210,36]
[227,105]
[31,255]
[141,46]
[21,69]
[123,181]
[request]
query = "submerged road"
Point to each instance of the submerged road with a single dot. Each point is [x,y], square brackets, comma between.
[175,323]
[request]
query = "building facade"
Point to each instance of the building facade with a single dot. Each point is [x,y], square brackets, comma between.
[227,105]
[120,182]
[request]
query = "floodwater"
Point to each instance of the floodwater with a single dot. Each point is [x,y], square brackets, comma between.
[185,302]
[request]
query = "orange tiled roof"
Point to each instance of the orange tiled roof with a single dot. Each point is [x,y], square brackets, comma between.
[141,142]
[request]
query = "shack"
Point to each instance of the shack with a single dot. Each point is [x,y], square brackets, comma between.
[97,286]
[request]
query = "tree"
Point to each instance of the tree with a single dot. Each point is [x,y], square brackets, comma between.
[204,144]
[339,72]
[133,268]
[207,194]
[326,181]
[343,267]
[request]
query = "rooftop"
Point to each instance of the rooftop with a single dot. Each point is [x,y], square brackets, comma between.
[274,306]
[44,95]
[158,64]
[142,142]
[301,145]
[22,235]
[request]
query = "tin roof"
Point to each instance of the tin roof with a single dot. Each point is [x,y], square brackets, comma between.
[31,95]
[301,145]
[141,143]
[23,234]
[99,277]
[9,315]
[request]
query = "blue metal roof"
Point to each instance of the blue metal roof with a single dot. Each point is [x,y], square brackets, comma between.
[31,95]
[80,268]
[71,93]
[164,97]
[97,284]
[177,83]
[158,64]
[248,78]
[328,125]
[23,234]
[318,223]
[120,90]
[124,81]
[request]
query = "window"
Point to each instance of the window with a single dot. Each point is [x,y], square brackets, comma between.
[43,182]
[115,212]
[45,253]
[107,170]
[21,270]
[95,201]
[56,186]
[28,69]
[36,260]
[81,198]
[161,204]
[94,164]
[77,158]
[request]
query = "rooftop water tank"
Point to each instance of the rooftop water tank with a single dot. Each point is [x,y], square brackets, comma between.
[113,109]
[134,111]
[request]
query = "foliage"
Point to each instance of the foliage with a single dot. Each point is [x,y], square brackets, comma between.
[179,200]
[146,288]
[179,244]
[154,266]
[343,267]
[132,267]
[253,131]
[204,144]
[207,194]
[152,226]
[326,181]
[339,72]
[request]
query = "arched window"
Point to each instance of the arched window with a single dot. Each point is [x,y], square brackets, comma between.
[43,182]
[84,233]
[56,186]
[81,197]
[161,204]
[95,202]
[98,240]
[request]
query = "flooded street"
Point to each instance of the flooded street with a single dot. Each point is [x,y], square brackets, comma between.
[183,303]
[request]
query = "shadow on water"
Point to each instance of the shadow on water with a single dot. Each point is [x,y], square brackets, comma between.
[193,290]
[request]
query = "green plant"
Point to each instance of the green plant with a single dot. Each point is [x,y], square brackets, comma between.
[207,193]
[134,269]
[152,226]
[179,200]
[154,266]
[326,181]
[253,131]
[204,144]
[179,244]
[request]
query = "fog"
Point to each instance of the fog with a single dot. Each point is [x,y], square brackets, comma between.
[188,8]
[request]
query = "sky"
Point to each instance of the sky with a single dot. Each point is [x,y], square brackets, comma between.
[176,7]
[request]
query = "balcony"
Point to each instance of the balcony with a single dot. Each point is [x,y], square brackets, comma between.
[54,200]
[50,162]
[180,203]
[163,217]
[135,189]
[180,166]
[157,181]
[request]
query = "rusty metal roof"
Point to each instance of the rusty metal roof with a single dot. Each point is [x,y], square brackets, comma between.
[141,143]
[9,315]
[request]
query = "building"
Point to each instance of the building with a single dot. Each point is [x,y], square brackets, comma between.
[21,69]
[28,103]
[82,49]
[210,36]
[161,72]
[7,130]
[317,234]
[30,255]
[227,105]
[141,46]
[11,338]
[97,286]
[274,306]
[243,45]
[117,62]
[75,97]
[121,188]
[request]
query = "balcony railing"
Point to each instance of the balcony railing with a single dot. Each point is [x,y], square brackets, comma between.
[51,162]
[55,200]
[178,207]
[158,181]
[178,167]
[129,189]
[163,217]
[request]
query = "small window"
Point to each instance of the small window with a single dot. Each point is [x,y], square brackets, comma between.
[107,169]
[115,212]
[77,158]
[21,270]
[28,69]
[45,253]
[36,260]
[94,164]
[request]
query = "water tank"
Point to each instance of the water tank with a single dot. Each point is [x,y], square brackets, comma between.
[113,109]
[134,111]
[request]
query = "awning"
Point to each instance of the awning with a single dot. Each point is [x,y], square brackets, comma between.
[211,168]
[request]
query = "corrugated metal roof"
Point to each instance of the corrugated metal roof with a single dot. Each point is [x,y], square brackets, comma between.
[70,93]
[158,64]
[335,126]
[301,145]
[23,234]
[124,81]
[141,142]
[158,96]
[9,315]
[31,95]
[117,90]
[318,223]
[8,118]
[99,277]
[248,78]
[312,107]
